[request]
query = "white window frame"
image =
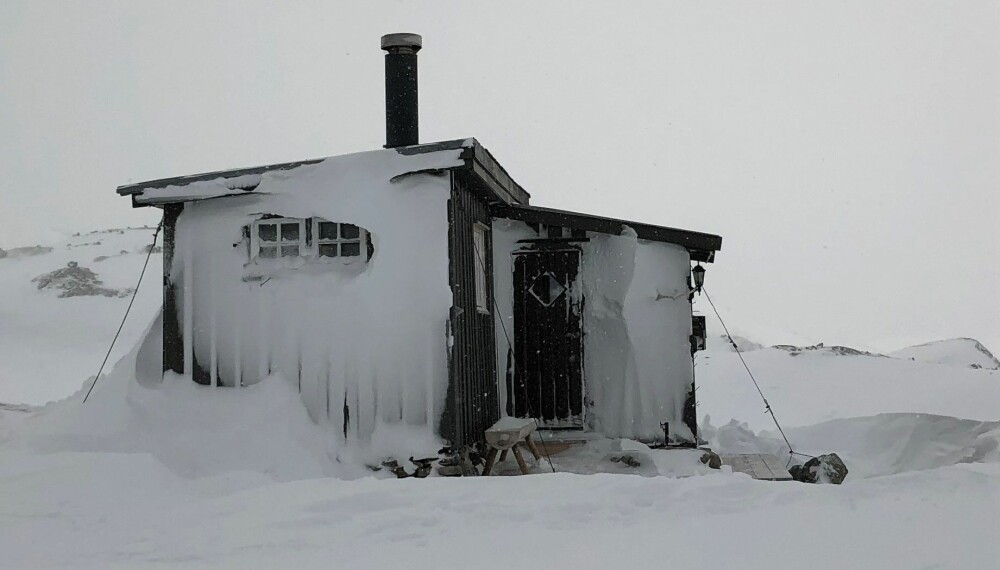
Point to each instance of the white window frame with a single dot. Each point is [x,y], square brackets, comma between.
[479,232]
[361,240]
[256,242]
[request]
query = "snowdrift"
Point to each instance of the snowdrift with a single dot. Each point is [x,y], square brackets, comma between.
[811,386]
[872,446]
[260,432]
[963,352]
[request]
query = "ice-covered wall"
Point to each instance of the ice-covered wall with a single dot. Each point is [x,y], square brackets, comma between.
[637,361]
[506,234]
[637,354]
[368,337]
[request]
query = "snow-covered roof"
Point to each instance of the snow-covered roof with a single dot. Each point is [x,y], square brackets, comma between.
[702,246]
[495,185]
[466,154]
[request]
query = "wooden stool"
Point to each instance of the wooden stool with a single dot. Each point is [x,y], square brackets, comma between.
[505,435]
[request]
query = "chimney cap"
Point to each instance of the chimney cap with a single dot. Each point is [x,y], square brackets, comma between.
[406,41]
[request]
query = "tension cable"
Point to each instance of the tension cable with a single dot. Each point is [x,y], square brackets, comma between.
[134,292]
[510,352]
[767,405]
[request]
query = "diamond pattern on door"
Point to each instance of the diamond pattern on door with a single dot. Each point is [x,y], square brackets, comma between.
[547,289]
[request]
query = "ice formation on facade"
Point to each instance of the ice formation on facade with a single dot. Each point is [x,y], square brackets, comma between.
[637,366]
[364,343]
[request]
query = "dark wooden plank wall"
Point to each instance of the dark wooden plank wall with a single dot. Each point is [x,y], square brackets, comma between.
[472,401]
[173,346]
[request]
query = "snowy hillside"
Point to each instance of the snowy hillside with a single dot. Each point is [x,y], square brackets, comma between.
[964,352]
[177,474]
[50,345]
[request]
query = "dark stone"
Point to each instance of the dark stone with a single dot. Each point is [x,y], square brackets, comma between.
[76,281]
[461,464]
[827,468]
[424,466]
[626,459]
[450,470]
[712,459]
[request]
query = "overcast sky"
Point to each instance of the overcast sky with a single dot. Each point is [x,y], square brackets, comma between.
[847,152]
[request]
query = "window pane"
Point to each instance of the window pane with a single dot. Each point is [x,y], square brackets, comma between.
[328,250]
[290,232]
[267,232]
[479,245]
[289,250]
[349,231]
[327,230]
[350,249]
[269,252]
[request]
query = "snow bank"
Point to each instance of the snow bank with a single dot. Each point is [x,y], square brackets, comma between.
[872,446]
[261,432]
[813,386]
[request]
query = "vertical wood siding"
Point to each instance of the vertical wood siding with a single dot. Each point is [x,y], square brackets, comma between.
[472,400]
[173,347]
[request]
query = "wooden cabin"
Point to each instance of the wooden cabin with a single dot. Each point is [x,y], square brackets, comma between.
[415,285]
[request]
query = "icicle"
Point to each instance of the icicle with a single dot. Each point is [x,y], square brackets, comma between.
[325,378]
[262,346]
[212,326]
[237,348]
[188,301]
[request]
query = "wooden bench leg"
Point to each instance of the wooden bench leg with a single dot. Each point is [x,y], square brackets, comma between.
[520,460]
[503,455]
[490,458]
[532,448]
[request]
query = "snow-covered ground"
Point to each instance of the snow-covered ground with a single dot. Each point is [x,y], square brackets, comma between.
[183,475]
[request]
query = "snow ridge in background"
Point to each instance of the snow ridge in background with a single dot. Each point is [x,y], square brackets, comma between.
[967,352]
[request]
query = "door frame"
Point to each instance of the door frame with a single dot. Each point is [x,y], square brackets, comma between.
[574,302]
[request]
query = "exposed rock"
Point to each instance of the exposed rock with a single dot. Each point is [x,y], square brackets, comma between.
[450,470]
[712,459]
[395,468]
[76,281]
[424,466]
[742,343]
[835,349]
[101,258]
[461,465]
[626,459]
[25,251]
[827,468]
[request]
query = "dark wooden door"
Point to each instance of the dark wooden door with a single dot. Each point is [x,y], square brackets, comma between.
[548,378]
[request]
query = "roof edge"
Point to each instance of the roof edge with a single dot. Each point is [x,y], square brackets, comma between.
[137,188]
[702,246]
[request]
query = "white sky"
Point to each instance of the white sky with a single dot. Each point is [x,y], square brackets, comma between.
[847,152]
